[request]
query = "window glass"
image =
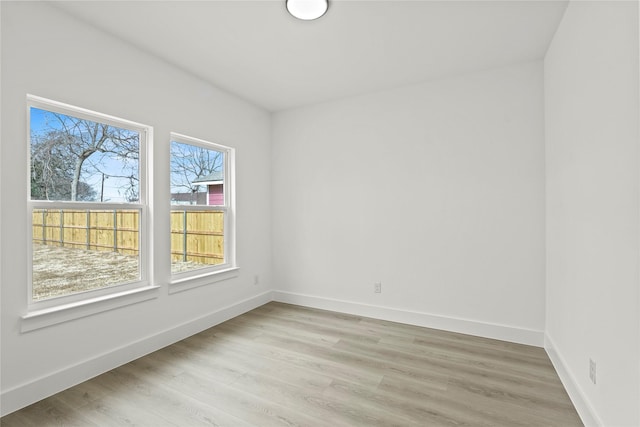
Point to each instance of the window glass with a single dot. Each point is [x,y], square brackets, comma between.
[85,202]
[76,159]
[199,207]
[81,250]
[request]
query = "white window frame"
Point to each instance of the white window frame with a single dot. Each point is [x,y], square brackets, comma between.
[103,298]
[206,275]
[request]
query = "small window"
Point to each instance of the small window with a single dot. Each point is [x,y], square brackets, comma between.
[201,206]
[87,202]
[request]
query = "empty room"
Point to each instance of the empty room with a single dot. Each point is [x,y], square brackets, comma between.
[320,213]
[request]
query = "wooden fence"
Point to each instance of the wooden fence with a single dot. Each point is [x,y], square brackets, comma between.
[98,230]
[196,236]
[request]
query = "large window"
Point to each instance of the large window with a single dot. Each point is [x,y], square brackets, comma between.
[88,203]
[201,206]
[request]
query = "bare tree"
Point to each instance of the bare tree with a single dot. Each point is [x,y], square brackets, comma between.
[84,148]
[51,170]
[190,163]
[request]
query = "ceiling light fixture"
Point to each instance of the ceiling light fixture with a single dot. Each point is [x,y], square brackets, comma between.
[307,10]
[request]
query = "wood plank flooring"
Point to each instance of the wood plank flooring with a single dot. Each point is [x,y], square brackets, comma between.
[284,365]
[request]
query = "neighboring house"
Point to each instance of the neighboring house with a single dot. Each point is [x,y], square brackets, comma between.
[215,187]
[199,198]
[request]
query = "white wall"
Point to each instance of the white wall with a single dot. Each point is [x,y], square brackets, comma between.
[436,190]
[48,54]
[593,208]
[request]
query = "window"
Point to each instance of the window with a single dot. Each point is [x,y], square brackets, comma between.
[88,204]
[202,216]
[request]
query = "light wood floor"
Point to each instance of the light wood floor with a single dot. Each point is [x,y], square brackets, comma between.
[288,365]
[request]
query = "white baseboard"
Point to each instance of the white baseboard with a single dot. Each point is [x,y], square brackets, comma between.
[464,326]
[587,414]
[33,391]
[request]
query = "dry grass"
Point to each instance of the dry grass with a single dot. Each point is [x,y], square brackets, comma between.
[63,271]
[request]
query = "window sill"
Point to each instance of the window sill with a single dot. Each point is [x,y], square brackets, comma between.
[197,280]
[38,319]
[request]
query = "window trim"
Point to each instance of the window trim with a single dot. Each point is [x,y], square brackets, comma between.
[42,318]
[207,275]
[36,309]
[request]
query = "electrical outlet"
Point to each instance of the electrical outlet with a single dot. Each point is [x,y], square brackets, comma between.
[592,370]
[256,279]
[377,287]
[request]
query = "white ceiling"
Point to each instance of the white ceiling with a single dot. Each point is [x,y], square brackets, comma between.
[257,51]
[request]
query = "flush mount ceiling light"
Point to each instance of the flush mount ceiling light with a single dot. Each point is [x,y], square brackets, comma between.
[307,10]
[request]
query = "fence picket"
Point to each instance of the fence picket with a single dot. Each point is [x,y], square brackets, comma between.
[200,234]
